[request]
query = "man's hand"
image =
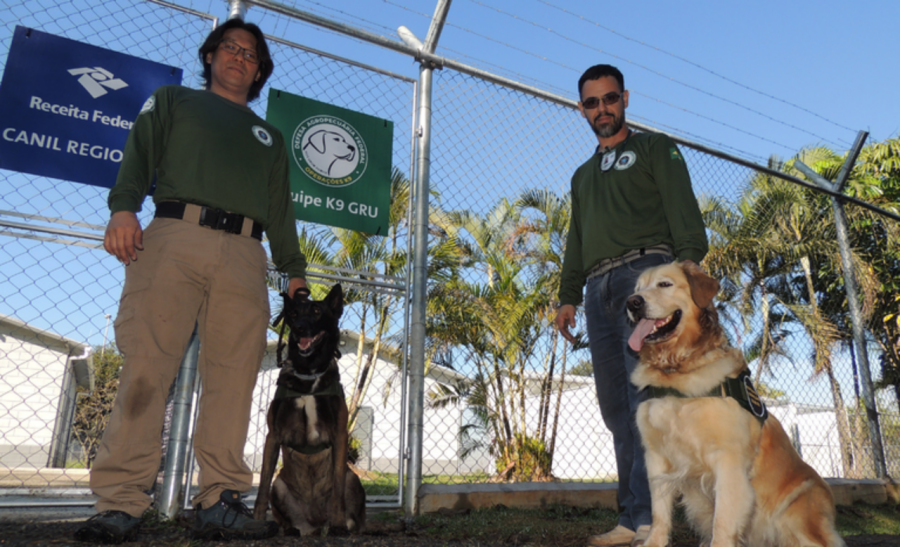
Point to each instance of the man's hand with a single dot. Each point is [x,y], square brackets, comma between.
[565,318]
[294,284]
[124,237]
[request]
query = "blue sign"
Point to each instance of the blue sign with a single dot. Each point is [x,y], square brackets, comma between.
[66,107]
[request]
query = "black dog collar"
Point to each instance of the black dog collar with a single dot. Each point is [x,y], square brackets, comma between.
[740,389]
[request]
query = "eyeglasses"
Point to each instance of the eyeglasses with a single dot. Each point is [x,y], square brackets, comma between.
[609,99]
[248,54]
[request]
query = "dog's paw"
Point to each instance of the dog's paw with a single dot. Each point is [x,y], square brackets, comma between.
[656,540]
[259,512]
[337,519]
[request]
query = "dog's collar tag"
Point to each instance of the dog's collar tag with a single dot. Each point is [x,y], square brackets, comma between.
[609,159]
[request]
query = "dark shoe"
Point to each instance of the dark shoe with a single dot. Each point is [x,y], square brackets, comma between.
[231,519]
[109,527]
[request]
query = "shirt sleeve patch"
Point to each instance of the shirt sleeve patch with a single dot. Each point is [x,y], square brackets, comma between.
[149,104]
[675,154]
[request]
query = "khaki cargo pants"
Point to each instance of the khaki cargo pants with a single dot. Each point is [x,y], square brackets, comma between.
[185,273]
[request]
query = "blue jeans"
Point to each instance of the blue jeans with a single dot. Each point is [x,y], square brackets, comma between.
[608,330]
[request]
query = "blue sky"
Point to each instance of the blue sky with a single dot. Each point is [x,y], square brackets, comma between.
[819,71]
[752,78]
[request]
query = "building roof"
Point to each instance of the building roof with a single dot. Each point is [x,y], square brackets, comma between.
[80,352]
[350,342]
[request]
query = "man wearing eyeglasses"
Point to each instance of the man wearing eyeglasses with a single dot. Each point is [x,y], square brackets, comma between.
[632,208]
[221,176]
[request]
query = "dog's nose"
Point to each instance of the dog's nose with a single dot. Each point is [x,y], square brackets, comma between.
[634,303]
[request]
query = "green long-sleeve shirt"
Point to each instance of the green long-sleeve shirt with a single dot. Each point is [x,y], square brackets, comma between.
[207,150]
[643,199]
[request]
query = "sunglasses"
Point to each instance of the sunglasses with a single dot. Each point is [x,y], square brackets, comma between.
[609,99]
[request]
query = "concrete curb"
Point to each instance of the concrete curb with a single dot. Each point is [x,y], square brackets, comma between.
[458,497]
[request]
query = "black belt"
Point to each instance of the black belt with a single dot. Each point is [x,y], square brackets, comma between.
[217,219]
[608,264]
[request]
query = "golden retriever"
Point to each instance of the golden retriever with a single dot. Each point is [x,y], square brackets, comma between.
[707,434]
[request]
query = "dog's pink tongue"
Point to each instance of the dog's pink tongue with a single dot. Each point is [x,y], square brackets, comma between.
[643,328]
[305,343]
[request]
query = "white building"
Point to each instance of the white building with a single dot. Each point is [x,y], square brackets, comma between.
[39,371]
[380,426]
[583,449]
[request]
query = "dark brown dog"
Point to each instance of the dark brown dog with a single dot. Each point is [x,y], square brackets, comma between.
[308,424]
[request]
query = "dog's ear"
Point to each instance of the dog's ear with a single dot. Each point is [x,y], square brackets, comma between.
[703,287]
[335,300]
[317,141]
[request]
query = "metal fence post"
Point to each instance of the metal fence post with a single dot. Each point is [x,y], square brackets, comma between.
[420,267]
[859,338]
[179,444]
[237,9]
[173,476]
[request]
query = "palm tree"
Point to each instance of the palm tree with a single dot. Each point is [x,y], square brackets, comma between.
[497,311]
[746,256]
[769,244]
[541,241]
[491,315]
[877,179]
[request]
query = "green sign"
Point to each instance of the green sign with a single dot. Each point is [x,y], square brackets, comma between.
[340,162]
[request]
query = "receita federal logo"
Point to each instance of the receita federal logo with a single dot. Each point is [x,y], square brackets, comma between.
[96,79]
[329,151]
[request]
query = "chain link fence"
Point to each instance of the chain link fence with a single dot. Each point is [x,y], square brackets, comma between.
[501,165]
[773,245]
[59,290]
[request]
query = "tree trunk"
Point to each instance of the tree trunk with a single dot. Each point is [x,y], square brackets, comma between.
[763,350]
[843,424]
[364,379]
[501,402]
[562,382]
[848,461]
[547,388]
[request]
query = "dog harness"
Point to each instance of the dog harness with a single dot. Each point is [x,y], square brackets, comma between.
[740,389]
[334,388]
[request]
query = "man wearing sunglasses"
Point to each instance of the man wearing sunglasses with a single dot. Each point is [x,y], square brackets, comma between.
[632,208]
[221,175]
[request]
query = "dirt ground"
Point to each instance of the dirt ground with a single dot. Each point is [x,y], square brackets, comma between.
[59,534]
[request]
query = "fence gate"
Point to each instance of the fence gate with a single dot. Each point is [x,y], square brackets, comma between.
[59,289]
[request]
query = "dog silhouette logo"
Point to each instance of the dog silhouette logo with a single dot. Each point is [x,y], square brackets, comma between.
[329,151]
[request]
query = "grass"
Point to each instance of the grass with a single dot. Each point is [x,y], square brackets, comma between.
[385,484]
[553,525]
[861,518]
[561,525]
